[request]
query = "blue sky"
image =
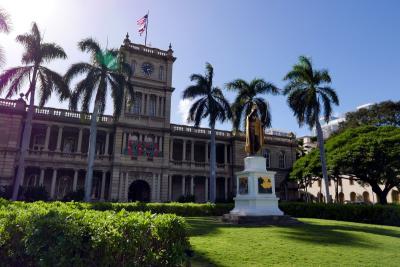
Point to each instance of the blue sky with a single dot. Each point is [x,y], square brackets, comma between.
[357,41]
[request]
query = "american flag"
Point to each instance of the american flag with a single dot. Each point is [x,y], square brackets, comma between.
[142,23]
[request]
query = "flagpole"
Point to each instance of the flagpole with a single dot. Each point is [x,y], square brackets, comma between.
[147,25]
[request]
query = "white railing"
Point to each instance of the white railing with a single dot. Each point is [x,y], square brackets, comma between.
[63,113]
[200,131]
[8,103]
[148,50]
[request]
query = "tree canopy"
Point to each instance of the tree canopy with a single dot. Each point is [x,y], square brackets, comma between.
[383,113]
[369,154]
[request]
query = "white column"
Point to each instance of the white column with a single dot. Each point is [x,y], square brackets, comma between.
[170,187]
[79,149]
[153,188]
[60,131]
[206,152]
[206,188]
[171,149]
[107,143]
[159,187]
[184,150]
[103,185]
[192,151]
[126,186]
[75,182]
[226,188]
[183,185]
[47,139]
[225,154]
[41,179]
[121,182]
[53,184]
[123,142]
[192,185]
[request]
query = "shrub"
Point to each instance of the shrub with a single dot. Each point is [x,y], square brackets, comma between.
[62,234]
[35,193]
[375,214]
[186,199]
[77,195]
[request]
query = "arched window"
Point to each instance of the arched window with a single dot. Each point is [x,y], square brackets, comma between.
[63,186]
[341,198]
[353,197]
[395,196]
[161,73]
[152,105]
[69,145]
[136,107]
[282,160]
[366,197]
[33,180]
[133,66]
[267,156]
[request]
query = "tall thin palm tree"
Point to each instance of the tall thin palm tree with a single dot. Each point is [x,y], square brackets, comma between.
[209,102]
[309,96]
[4,27]
[106,72]
[248,96]
[36,54]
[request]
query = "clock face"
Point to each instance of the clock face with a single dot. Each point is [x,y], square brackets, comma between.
[147,68]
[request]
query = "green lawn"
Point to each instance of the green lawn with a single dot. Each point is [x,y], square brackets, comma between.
[316,243]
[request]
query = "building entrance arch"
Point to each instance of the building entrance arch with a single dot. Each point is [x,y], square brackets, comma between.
[139,190]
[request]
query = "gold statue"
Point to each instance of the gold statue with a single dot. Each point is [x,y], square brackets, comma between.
[254,133]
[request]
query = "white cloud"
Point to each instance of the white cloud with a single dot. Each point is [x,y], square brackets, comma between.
[183,109]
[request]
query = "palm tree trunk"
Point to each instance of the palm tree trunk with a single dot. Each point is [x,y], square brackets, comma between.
[320,138]
[213,166]
[91,154]
[26,137]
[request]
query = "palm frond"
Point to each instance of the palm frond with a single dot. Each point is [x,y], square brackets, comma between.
[5,22]
[90,45]
[13,78]
[57,81]
[194,91]
[50,51]
[77,69]
[237,85]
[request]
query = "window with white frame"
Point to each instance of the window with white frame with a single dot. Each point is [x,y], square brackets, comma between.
[38,142]
[161,73]
[152,105]
[133,66]
[282,160]
[267,156]
[136,106]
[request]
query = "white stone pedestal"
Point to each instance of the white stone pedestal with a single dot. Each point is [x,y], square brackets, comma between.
[255,190]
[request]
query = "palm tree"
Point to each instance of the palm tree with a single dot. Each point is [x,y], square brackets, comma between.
[4,27]
[104,73]
[248,96]
[209,102]
[36,54]
[309,95]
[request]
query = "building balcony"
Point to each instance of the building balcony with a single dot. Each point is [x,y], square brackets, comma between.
[198,166]
[63,156]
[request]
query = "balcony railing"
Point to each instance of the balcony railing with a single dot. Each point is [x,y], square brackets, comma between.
[175,128]
[194,165]
[148,50]
[68,114]
[64,155]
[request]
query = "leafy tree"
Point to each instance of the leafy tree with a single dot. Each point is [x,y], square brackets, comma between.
[209,102]
[248,96]
[309,96]
[384,113]
[4,27]
[36,54]
[368,154]
[106,72]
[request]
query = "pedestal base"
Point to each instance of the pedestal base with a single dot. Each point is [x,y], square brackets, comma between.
[256,206]
[282,220]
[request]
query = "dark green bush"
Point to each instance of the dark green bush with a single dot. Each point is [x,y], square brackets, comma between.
[77,195]
[35,193]
[375,214]
[186,199]
[62,234]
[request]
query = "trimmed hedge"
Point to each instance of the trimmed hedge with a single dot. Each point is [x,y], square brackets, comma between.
[374,214]
[57,234]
